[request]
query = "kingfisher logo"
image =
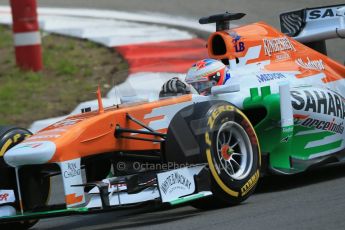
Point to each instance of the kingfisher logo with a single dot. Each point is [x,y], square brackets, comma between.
[275,45]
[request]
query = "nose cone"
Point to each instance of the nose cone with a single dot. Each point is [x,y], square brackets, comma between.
[29,153]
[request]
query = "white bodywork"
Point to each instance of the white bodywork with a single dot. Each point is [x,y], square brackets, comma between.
[171,185]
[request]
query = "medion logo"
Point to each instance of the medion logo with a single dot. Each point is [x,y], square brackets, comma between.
[265,77]
[324,102]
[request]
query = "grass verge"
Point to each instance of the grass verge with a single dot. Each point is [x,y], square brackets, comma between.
[72,70]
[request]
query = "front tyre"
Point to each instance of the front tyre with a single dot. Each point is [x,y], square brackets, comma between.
[34,187]
[233,155]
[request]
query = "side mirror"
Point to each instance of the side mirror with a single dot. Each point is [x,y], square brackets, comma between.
[221,89]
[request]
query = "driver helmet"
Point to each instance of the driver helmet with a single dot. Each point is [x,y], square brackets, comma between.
[206,73]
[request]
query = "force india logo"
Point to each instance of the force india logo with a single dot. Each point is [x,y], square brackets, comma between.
[331,126]
[175,181]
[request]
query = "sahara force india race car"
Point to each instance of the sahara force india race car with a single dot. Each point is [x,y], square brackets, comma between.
[281,111]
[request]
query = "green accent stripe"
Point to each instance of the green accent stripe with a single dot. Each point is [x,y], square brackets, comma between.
[187,199]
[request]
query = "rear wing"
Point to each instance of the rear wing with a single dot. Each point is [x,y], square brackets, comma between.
[312,26]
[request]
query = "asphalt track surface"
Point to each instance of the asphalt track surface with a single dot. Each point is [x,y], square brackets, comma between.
[312,200]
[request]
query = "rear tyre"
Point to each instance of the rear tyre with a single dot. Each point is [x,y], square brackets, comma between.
[233,155]
[36,187]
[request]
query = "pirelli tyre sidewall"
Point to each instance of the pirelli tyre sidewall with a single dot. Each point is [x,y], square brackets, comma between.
[227,188]
[11,136]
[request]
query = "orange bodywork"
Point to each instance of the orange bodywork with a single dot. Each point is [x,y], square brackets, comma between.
[93,132]
[72,199]
[253,35]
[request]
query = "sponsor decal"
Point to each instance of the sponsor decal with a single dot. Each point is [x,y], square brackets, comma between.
[67,122]
[285,139]
[275,45]
[265,77]
[323,13]
[282,56]
[4,196]
[53,131]
[287,133]
[331,126]
[311,64]
[316,101]
[238,45]
[250,184]
[7,196]
[175,181]
[288,129]
[250,132]
[216,112]
[72,170]
[235,36]
[71,175]
[227,76]
[30,145]
[215,171]
[35,137]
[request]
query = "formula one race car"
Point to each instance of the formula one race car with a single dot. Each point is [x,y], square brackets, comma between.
[282,110]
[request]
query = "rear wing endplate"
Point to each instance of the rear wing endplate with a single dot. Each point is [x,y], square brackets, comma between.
[314,24]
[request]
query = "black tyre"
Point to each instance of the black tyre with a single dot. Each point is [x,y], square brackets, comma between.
[233,155]
[11,136]
[35,186]
[219,134]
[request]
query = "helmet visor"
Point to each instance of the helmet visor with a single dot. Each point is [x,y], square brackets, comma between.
[203,87]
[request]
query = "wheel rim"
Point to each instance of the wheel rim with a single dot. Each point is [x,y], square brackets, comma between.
[234,150]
